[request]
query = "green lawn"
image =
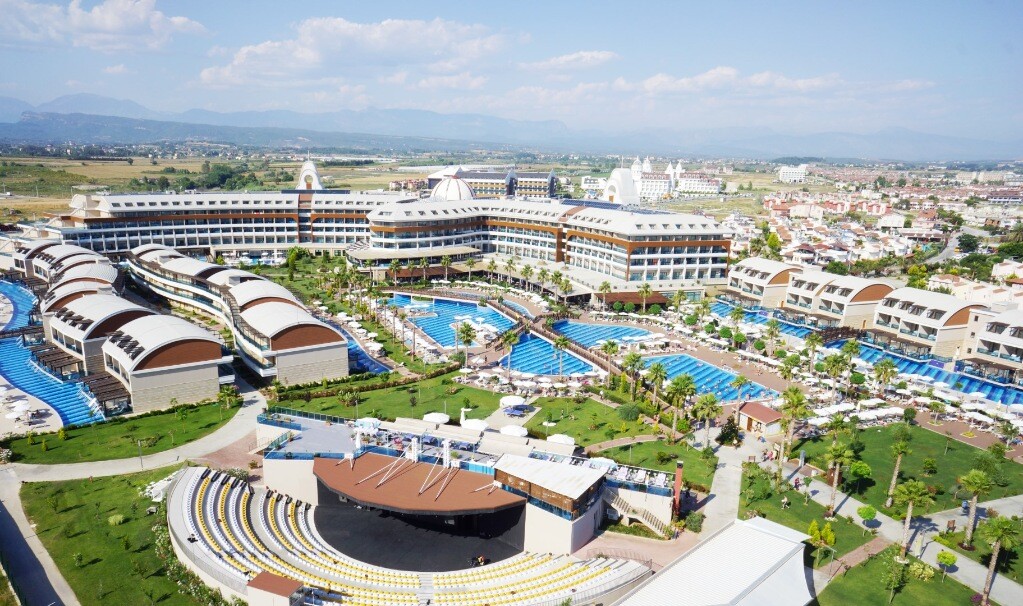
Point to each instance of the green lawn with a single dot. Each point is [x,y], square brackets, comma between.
[393,402]
[71,517]
[1009,564]
[6,595]
[118,438]
[698,470]
[800,513]
[863,586]
[925,444]
[588,422]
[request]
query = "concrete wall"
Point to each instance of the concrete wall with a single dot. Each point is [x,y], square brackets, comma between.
[155,389]
[659,506]
[313,364]
[292,477]
[549,533]
[859,315]
[948,340]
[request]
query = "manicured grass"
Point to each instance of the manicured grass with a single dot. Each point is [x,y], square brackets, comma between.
[637,530]
[6,595]
[393,402]
[863,586]
[1009,564]
[71,517]
[118,438]
[588,422]
[697,470]
[799,514]
[925,444]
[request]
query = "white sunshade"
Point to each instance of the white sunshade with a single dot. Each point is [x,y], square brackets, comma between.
[514,430]
[560,438]
[507,401]
[475,424]
[437,417]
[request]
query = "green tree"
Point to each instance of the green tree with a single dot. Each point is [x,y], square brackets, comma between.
[681,388]
[999,533]
[469,264]
[909,494]
[893,575]
[901,437]
[867,514]
[510,339]
[837,268]
[445,262]
[657,374]
[977,483]
[884,371]
[946,560]
[527,273]
[706,409]
[736,314]
[859,471]
[813,342]
[739,383]
[838,455]
[835,366]
[794,408]
[644,293]
[466,336]
[631,365]
[968,243]
[604,289]
[610,349]
[561,343]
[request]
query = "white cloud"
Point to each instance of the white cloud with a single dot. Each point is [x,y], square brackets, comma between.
[571,61]
[464,80]
[780,82]
[438,46]
[908,85]
[396,78]
[113,25]
[115,70]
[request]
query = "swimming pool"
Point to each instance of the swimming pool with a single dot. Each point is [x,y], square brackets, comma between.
[761,317]
[519,308]
[446,312]
[358,359]
[67,399]
[708,378]
[589,335]
[538,356]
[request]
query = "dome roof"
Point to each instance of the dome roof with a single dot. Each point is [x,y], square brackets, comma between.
[452,189]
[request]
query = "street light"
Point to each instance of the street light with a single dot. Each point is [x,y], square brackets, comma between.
[141,464]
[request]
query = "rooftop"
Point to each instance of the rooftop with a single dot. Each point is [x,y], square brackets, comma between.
[571,481]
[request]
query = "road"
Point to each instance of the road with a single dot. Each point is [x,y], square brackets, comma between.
[950,250]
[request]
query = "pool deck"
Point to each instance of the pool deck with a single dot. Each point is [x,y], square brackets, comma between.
[48,422]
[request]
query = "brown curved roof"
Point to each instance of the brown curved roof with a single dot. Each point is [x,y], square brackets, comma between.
[400,492]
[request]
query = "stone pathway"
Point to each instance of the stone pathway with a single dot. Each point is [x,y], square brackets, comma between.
[601,446]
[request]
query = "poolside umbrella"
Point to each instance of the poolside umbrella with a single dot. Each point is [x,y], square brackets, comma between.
[475,424]
[977,395]
[560,386]
[465,371]
[507,401]
[560,438]
[577,375]
[436,417]
[940,385]
[544,380]
[527,375]
[21,407]
[1016,408]
[514,430]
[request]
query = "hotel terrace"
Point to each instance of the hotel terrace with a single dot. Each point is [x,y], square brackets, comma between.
[997,353]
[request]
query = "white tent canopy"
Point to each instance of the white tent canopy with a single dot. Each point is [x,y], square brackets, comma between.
[507,401]
[514,430]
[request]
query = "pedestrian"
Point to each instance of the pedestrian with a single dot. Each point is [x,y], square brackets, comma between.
[796,483]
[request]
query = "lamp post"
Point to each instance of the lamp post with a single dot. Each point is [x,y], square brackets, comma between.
[141,464]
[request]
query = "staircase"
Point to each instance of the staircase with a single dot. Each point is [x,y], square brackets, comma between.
[425,591]
[623,507]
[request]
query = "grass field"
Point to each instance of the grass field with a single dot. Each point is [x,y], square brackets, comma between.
[393,402]
[588,422]
[1009,564]
[6,595]
[697,470]
[71,518]
[925,444]
[863,586]
[118,438]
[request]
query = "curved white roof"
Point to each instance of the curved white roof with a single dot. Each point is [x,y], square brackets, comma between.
[62,251]
[63,290]
[97,308]
[140,250]
[451,189]
[153,332]
[621,187]
[250,291]
[223,278]
[101,272]
[273,317]
[308,178]
[187,266]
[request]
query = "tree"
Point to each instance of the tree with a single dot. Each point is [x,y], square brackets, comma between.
[999,533]
[424,264]
[835,366]
[445,262]
[813,342]
[794,407]
[736,315]
[561,343]
[644,293]
[542,277]
[884,371]
[893,576]
[681,388]
[566,289]
[604,289]
[631,365]
[738,383]
[838,455]
[867,514]
[470,263]
[492,268]
[610,349]
[773,332]
[859,471]
[527,273]
[968,243]
[909,494]
[946,560]
[510,339]
[466,335]
[707,409]
[977,483]
[657,374]
[837,268]
[900,448]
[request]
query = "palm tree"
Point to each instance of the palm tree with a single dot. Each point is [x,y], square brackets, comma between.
[393,268]
[702,309]
[424,264]
[738,383]
[509,266]
[773,332]
[838,456]
[566,288]
[510,339]
[445,262]
[884,371]
[813,342]
[1015,233]
[1000,533]
[561,344]
[908,494]
[466,335]
[706,408]
[794,407]
[555,278]
[542,276]
[527,273]
[900,448]
[677,300]
[491,268]
[835,366]
[787,370]
[850,349]
[609,349]
[680,389]
[657,374]
[402,316]
[644,293]
[470,263]
[977,483]
[604,289]
[631,365]
[736,315]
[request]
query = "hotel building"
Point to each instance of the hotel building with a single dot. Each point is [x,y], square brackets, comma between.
[920,323]
[755,282]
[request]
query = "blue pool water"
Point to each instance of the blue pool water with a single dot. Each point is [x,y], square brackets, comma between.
[519,308]
[534,354]
[71,404]
[358,359]
[589,335]
[447,312]
[709,378]
[761,317]
[967,384]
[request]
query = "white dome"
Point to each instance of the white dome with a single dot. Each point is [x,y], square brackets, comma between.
[452,189]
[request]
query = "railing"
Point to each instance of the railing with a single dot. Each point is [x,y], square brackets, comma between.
[611,496]
[265,419]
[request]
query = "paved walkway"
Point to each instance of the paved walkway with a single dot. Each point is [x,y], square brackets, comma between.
[922,543]
[722,504]
[601,446]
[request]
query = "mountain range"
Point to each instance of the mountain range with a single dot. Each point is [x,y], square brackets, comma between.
[88,118]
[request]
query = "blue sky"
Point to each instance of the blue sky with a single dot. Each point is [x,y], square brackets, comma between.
[797,67]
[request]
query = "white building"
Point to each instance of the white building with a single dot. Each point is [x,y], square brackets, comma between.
[792,174]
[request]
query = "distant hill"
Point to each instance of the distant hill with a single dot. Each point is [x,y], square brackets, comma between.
[404,128]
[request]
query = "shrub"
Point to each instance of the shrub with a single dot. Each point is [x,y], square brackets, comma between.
[819,366]
[618,306]
[628,412]
[630,308]
[664,457]
[691,320]
[759,345]
[654,309]
[725,333]
[930,466]
[709,329]
[115,520]
[61,434]
[908,415]
[857,378]
[44,446]
[78,559]
[694,521]
[919,570]
[781,354]
[729,433]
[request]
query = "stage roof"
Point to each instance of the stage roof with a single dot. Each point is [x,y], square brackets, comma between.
[400,487]
[563,478]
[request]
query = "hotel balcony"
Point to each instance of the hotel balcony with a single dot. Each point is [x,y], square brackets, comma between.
[891,342]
